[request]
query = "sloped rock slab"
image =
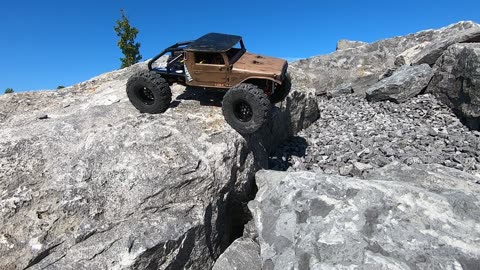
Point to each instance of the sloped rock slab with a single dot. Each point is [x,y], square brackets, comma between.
[431,52]
[106,187]
[407,56]
[457,81]
[99,185]
[405,83]
[317,221]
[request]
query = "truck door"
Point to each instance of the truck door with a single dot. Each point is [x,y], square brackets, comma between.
[209,69]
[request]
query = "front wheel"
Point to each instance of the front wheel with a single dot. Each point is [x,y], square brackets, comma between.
[149,92]
[246,108]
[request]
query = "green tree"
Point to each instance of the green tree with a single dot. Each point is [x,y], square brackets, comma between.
[9,91]
[60,87]
[126,43]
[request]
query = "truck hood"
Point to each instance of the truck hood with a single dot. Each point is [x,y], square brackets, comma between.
[261,65]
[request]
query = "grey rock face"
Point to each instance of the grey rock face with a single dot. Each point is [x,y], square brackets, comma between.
[98,185]
[457,81]
[243,253]
[301,108]
[317,221]
[345,44]
[103,186]
[342,89]
[362,65]
[405,83]
[406,57]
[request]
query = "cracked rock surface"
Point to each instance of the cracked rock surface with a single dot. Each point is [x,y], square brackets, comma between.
[420,217]
[98,185]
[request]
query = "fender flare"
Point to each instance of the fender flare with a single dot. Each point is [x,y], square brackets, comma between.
[262,78]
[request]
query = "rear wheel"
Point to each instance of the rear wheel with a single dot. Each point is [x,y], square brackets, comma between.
[246,108]
[281,92]
[149,92]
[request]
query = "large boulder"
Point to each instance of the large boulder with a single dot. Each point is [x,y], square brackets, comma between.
[88,182]
[361,66]
[457,81]
[432,51]
[423,218]
[405,83]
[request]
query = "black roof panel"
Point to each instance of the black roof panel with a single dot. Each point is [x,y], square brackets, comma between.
[213,42]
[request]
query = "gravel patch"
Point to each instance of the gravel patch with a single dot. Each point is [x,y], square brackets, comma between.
[354,136]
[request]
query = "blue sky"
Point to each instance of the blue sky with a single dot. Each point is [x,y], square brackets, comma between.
[49,43]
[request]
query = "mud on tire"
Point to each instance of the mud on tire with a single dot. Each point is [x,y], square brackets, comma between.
[282,91]
[246,108]
[149,92]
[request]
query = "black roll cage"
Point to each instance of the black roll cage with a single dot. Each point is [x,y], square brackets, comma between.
[179,46]
[171,72]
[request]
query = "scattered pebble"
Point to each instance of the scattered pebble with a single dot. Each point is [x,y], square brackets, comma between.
[353,131]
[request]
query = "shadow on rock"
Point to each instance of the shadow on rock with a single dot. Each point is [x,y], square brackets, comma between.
[260,145]
[281,159]
[206,97]
[297,112]
[264,142]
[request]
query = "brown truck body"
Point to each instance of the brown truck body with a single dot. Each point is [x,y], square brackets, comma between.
[213,61]
[225,75]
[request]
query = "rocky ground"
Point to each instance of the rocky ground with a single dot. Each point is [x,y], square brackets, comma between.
[354,135]
[394,183]
[402,217]
[88,182]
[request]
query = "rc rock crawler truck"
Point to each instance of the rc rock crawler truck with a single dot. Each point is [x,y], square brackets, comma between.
[215,61]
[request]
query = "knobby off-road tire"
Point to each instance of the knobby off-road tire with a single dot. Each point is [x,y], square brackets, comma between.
[149,92]
[246,108]
[282,91]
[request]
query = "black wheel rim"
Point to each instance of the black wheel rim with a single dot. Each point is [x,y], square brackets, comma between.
[243,111]
[145,95]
